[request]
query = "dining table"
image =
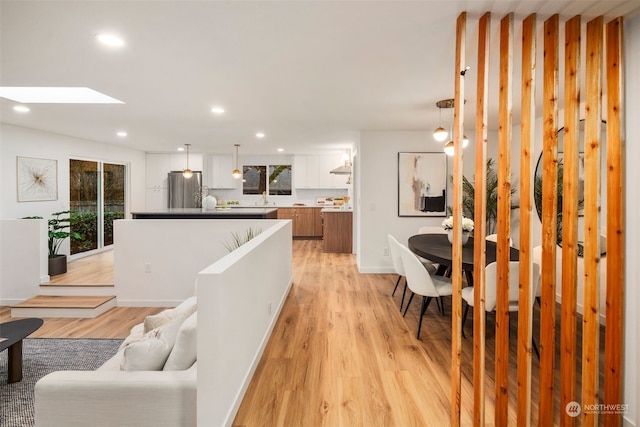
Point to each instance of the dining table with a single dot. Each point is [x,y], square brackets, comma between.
[437,248]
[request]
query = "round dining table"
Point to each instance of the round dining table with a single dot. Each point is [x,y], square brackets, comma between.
[436,247]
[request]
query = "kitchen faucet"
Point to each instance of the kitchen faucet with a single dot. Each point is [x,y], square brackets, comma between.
[264,197]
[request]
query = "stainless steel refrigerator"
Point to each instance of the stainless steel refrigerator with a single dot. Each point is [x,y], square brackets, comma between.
[185,192]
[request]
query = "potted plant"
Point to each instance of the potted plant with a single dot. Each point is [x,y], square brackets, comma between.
[58,231]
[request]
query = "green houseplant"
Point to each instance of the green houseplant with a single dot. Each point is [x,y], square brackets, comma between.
[58,230]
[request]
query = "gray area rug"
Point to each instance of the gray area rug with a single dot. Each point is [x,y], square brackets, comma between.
[42,356]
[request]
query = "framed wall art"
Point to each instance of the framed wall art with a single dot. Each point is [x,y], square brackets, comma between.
[37,179]
[422,184]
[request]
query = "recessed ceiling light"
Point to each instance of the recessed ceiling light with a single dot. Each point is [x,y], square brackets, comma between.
[180,148]
[56,95]
[21,109]
[259,135]
[122,134]
[281,149]
[217,110]
[110,40]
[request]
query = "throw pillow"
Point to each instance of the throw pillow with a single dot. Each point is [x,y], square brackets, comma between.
[184,309]
[185,350]
[151,351]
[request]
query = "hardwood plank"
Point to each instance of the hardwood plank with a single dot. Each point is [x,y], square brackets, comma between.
[456,261]
[94,270]
[480,222]
[616,206]
[549,219]
[570,196]
[592,160]
[526,197]
[54,301]
[505,112]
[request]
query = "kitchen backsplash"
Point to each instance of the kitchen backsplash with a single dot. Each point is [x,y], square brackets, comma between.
[307,196]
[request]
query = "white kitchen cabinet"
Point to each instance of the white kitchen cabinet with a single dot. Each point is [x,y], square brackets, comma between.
[157,167]
[313,171]
[156,198]
[219,168]
[179,161]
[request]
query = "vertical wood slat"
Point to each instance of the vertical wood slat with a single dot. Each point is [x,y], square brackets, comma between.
[568,353]
[614,337]
[526,197]
[456,261]
[549,220]
[592,155]
[503,222]
[480,222]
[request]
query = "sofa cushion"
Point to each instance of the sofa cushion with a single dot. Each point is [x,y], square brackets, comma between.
[151,351]
[185,349]
[184,310]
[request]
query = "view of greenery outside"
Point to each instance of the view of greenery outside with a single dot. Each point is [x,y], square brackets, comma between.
[89,205]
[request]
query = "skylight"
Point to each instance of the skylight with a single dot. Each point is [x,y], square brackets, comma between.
[56,95]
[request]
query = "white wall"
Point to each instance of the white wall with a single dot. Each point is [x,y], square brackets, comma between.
[23,259]
[17,141]
[632,273]
[377,195]
[156,261]
[239,299]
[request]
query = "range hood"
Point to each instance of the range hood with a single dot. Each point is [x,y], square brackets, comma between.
[342,170]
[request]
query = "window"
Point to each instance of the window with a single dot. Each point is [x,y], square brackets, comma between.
[97,198]
[278,183]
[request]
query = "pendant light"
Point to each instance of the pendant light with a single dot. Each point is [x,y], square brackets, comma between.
[236,172]
[440,134]
[187,173]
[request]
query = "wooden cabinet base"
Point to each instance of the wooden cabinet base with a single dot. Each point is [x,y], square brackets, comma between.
[338,231]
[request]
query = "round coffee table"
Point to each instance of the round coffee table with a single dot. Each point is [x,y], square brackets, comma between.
[11,335]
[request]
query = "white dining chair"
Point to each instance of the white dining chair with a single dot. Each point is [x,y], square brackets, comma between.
[494,238]
[396,259]
[491,279]
[422,283]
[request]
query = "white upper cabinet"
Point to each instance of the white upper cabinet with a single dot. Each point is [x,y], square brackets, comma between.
[219,168]
[313,171]
[158,166]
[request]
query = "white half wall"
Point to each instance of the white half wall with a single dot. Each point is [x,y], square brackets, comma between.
[23,259]
[239,300]
[156,261]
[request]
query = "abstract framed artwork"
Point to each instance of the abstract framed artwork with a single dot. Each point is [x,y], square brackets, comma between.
[422,184]
[37,179]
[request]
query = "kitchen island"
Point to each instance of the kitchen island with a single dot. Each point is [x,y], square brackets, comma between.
[219,213]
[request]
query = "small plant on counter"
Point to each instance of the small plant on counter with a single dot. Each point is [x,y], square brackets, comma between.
[238,240]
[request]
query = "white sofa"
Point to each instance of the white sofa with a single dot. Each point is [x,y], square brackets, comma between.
[112,396]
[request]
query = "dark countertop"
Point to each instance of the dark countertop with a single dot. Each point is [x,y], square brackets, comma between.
[197,213]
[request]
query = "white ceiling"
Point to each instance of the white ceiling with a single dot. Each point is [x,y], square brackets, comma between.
[310,74]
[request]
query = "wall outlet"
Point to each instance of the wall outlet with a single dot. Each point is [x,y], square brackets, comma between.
[147,267]
[385,251]
[269,308]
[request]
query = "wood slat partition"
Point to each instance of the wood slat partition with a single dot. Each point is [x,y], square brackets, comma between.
[456,261]
[526,199]
[549,220]
[480,222]
[614,337]
[503,222]
[592,159]
[571,146]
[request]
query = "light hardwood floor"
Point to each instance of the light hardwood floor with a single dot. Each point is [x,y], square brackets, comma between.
[341,354]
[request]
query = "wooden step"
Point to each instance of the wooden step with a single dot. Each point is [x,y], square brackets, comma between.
[71,290]
[64,306]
